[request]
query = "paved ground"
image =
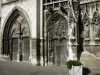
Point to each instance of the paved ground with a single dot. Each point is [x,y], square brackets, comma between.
[25,68]
[15,68]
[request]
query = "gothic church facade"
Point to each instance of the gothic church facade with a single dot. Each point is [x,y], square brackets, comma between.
[38,31]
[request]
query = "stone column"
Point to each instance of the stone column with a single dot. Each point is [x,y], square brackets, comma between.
[33,58]
[70,52]
[10,40]
[30,56]
[91,34]
[91,30]
[42,37]
[45,39]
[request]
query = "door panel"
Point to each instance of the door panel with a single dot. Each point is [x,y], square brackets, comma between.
[15,48]
[61,55]
[26,49]
[58,50]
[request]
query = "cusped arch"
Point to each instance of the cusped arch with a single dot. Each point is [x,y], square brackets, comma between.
[86,18]
[22,12]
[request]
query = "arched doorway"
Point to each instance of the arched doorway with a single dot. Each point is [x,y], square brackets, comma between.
[16,37]
[57,36]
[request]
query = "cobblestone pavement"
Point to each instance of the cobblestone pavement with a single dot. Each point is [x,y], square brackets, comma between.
[25,68]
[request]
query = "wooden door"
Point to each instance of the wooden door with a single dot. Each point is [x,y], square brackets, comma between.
[26,49]
[15,49]
[58,51]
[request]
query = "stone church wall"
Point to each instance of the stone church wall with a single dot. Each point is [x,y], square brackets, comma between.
[27,6]
[90,17]
[29,9]
[91,21]
[93,49]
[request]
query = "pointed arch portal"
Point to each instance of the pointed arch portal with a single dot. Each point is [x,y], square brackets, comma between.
[57,33]
[16,37]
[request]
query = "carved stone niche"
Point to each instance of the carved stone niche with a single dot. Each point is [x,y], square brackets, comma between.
[86,28]
[72,28]
[86,24]
[96,25]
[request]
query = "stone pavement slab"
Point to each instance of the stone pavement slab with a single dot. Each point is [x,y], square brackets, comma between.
[25,68]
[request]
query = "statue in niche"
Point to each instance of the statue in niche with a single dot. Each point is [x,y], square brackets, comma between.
[97,31]
[96,26]
[72,30]
[86,30]
[51,56]
[93,31]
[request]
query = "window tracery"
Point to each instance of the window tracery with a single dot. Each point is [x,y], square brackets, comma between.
[20,22]
[57,27]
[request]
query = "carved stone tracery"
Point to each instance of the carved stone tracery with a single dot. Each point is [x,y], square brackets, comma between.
[57,26]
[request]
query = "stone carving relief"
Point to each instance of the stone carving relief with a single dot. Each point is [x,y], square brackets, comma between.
[72,26]
[96,25]
[86,26]
[72,30]
[86,30]
[97,31]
